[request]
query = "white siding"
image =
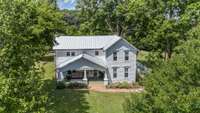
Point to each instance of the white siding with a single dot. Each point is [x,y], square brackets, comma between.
[121,47]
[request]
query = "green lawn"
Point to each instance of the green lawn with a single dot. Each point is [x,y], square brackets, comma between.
[70,101]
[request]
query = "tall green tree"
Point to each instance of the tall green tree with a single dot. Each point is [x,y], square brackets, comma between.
[27,30]
[100,17]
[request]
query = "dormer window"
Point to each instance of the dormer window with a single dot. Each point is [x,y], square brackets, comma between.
[97,53]
[126,55]
[114,56]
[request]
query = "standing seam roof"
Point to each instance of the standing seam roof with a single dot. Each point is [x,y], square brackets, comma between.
[85,42]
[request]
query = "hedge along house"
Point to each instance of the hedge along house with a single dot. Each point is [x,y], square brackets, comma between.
[95,58]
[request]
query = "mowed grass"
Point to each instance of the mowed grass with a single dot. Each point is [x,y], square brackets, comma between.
[74,101]
[69,101]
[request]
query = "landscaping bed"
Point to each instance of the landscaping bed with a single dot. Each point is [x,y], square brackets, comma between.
[122,85]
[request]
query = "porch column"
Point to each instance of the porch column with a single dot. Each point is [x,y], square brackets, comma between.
[59,75]
[85,76]
[105,78]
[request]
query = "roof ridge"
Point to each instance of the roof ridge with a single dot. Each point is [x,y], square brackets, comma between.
[85,35]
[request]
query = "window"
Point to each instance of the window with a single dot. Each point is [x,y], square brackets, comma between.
[68,53]
[114,72]
[96,53]
[115,56]
[69,72]
[126,55]
[126,72]
[73,53]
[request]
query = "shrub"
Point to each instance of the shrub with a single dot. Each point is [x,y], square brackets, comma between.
[77,85]
[120,85]
[60,85]
[125,85]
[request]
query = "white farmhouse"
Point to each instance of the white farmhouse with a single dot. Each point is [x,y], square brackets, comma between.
[95,58]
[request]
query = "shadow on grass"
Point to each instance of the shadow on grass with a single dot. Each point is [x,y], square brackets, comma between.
[65,101]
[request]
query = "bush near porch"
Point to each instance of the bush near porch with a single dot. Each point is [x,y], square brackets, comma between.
[123,85]
[71,85]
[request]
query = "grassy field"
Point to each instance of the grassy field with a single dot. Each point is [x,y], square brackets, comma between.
[71,101]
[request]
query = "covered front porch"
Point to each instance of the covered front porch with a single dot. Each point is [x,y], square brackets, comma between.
[85,76]
[83,69]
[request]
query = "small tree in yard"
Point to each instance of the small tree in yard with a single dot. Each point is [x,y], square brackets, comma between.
[27,28]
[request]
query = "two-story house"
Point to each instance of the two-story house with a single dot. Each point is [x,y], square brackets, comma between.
[95,58]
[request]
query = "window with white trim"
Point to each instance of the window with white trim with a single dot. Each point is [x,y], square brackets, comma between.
[68,54]
[72,53]
[126,55]
[114,56]
[126,71]
[114,72]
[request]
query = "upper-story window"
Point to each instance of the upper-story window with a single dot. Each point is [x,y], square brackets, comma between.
[126,55]
[73,54]
[114,56]
[96,53]
[126,72]
[68,54]
[114,72]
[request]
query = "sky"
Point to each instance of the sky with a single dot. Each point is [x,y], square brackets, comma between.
[66,4]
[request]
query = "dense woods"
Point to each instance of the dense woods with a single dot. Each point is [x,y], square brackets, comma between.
[168,30]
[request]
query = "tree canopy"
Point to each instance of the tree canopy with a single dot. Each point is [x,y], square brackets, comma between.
[172,87]
[152,25]
[27,30]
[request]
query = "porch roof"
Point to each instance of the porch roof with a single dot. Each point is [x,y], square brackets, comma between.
[84,56]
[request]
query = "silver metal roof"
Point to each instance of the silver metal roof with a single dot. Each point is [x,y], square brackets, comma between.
[85,42]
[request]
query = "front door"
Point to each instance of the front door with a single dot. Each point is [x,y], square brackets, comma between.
[95,75]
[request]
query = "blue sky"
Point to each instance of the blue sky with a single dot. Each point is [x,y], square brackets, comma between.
[66,4]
